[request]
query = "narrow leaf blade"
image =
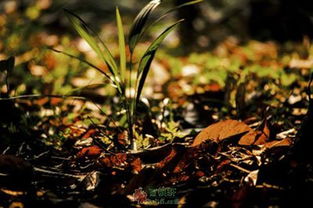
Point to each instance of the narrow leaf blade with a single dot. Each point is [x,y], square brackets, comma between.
[121,41]
[84,31]
[174,9]
[83,61]
[188,3]
[140,22]
[145,62]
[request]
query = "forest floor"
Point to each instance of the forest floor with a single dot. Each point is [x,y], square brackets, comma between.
[229,128]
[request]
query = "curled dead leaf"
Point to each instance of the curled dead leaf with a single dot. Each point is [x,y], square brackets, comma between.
[232,128]
[256,137]
[221,130]
[252,177]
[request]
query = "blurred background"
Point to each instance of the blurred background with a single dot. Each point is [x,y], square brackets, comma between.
[217,36]
[227,59]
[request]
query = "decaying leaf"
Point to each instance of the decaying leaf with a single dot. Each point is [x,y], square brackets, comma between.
[115,160]
[92,151]
[136,165]
[256,137]
[167,159]
[279,143]
[231,128]
[12,193]
[221,130]
[252,177]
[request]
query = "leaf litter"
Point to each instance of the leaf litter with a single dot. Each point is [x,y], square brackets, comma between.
[233,161]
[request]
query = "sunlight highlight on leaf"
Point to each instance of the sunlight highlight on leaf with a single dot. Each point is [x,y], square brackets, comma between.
[85,32]
[121,40]
[140,22]
[147,58]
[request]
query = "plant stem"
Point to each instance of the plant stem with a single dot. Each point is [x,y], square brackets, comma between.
[130,108]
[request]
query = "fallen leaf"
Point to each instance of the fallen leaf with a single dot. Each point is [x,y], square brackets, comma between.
[256,137]
[200,173]
[136,165]
[167,159]
[186,159]
[252,177]
[122,138]
[279,143]
[221,130]
[119,159]
[16,205]
[42,101]
[56,101]
[92,180]
[89,133]
[114,160]
[154,154]
[12,193]
[222,164]
[179,178]
[92,151]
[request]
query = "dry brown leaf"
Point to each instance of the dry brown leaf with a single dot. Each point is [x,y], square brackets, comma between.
[221,130]
[186,159]
[122,138]
[92,151]
[136,165]
[55,101]
[115,160]
[12,193]
[89,133]
[167,159]
[279,143]
[256,137]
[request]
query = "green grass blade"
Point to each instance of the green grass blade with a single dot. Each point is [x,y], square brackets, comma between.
[174,9]
[187,4]
[121,41]
[145,62]
[83,61]
[85,32]
[139,23]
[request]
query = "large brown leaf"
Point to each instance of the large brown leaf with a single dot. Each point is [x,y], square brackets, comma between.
[256,137]
[222,130]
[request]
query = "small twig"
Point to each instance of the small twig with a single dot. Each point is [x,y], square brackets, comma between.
[41,154]
[266,185]
[240,168]
[59,174]
[6,150]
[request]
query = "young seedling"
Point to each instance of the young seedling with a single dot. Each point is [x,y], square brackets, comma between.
[119,75]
